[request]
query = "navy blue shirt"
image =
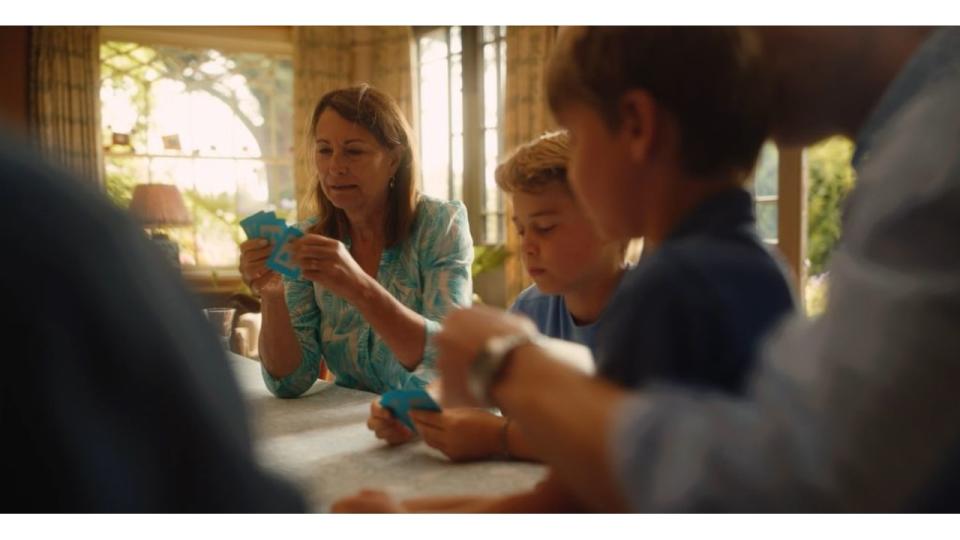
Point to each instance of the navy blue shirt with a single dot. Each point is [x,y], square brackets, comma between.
[695,310]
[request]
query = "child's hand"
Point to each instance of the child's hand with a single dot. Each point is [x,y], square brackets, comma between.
[462,434]
[368,502]
[386,427]
[464,333]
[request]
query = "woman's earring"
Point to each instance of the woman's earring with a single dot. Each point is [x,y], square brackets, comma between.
[392,182]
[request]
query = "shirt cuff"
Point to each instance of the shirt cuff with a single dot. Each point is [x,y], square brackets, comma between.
[295,383]
[427,370]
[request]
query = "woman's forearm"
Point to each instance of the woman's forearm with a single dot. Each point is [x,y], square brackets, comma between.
[279,348]
[402,329]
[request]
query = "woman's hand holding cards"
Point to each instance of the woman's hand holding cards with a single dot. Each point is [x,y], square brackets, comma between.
[253,268]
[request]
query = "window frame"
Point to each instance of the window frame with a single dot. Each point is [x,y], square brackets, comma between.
[792,213]
[274,42]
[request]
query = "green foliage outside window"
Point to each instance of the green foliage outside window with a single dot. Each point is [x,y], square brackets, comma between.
[830,179]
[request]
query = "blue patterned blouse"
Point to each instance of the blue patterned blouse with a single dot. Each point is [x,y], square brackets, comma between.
[429,273]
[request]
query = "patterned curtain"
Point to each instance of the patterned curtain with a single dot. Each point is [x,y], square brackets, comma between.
[65,98]
[320,64]
[326,58]
[526,115]
[383,57]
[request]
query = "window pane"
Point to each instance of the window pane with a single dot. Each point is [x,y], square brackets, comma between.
[494,59]
[122,174]
[491,148]
[456,94]
[186,238]
[253,193]
[434,116]
[216,230]
[281,110]
[215,177]
[765,177]
[765,185]
[282,198]
[214,206]
[457,152]
[492,225]
[433,46]
[767,220]
[503,73]
[489,34]
[120,112]
[492,198]
[455,41]
[177,171]
[491,86]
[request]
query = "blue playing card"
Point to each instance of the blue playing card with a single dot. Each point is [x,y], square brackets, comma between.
[272,230]
[401,402]
[251,225]
[264,225]
[281,260]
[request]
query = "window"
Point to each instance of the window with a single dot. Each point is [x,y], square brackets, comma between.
[461,83]
[217,125]
[494,85]
[810,200]
[765,187]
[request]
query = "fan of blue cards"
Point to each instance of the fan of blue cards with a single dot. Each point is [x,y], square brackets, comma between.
[401,402]
[268,226]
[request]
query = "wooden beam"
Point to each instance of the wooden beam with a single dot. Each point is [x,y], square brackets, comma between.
[473,172]
[792,213]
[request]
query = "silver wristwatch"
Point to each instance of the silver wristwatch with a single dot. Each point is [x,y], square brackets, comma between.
[489,362]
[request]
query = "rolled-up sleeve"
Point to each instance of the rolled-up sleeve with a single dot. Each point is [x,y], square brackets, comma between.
[305,318]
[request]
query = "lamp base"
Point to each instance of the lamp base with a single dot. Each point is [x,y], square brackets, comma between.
[168,247]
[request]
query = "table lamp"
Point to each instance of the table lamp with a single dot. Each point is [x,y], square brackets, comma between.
[160,206]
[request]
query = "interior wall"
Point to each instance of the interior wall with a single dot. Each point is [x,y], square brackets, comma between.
[15,58]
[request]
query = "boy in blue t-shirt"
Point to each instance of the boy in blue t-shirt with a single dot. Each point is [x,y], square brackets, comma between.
[575,271]
[575,274]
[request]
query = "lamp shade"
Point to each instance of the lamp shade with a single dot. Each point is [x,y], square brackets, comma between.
[159,205]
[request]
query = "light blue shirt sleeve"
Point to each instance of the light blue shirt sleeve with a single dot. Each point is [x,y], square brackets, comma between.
[856,410]
[447,281]
[305,318]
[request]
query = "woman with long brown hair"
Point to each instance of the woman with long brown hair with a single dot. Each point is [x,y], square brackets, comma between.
[380,263]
